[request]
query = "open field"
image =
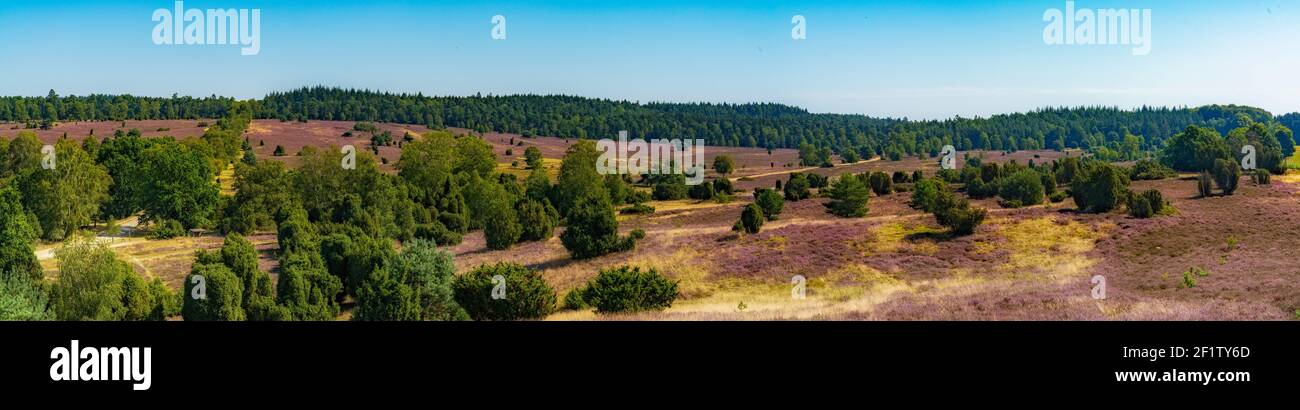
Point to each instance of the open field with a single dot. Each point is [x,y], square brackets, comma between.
[895,264]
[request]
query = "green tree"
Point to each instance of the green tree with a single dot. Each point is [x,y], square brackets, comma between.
[17,237]
[22,299]
[724,165]
[1099,187]
[849,197]
[533,157]
[629,289]
[181,187]
[94,284]
[751,220]
[593,229]
[1226,175]
[770,201]
[522,295]
[68,196]
[537,222]
[212,292]
[578,177]
[1024,186]
[1194,149]
[429,273]
[385,297]
[797,188]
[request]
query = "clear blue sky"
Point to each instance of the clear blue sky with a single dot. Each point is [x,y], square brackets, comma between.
[920,59]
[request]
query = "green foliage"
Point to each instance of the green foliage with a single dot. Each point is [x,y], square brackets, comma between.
[770,201]
[673,187]
[94,285]
[166,229]
[724,165]
[797,188]
[1058,196]
[1204,184]
[579,180]
[751,220]
[723,186]
[1226,175]
[1025,186]
[533,157]
[925,192]
[1261,177]
[1099,187]
[574,300]
[17,237]
[537,222]
[849,197]
[702,191]
[305,289]
[222,294]
[22,299]
[1140,207]
[261,189]
[593,229]
[1194,149]
[526,294]
[628,289]
[1147,169]
[385,297]
[68,196]
[428,272]
[1156,200]
[881,183]
[957,214]
[180,184]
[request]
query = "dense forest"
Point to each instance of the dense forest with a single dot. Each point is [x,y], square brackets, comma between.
[1110,132]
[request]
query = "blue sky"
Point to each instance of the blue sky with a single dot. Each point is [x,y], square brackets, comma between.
[918,59]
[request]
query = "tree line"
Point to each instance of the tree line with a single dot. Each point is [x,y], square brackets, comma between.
[1109,132]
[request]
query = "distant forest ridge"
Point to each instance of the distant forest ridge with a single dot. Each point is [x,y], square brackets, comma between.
[745,125]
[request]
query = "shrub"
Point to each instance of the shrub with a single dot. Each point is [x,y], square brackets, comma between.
[770,201]
[978,189]
[629,289]
[574,300]
[501,226]
[1204,184]
[818,181]
[702,191]
[1226,175]
[848,197]
[1099,187]
[222,295]
[1155,199]
[279,151]
[638,209]
[22,299]
[1058,196]
[670,189]
[167,229]
[751,219]
[1048,180]
[384,297]
[535,220]
[1148,169]
[957,214]
[796,189]
[527,295]
[723,186]
[593,229]
[1024,187]
[925,192]
[881,183]
[1140,207]
[917,176]
[438,233]
[1261,177]
[901,177]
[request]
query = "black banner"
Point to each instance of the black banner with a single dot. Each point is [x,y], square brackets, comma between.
[407,358]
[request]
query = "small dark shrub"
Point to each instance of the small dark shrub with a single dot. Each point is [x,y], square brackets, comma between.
[629,289]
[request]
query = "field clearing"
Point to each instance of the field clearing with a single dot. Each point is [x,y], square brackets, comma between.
[168,259]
